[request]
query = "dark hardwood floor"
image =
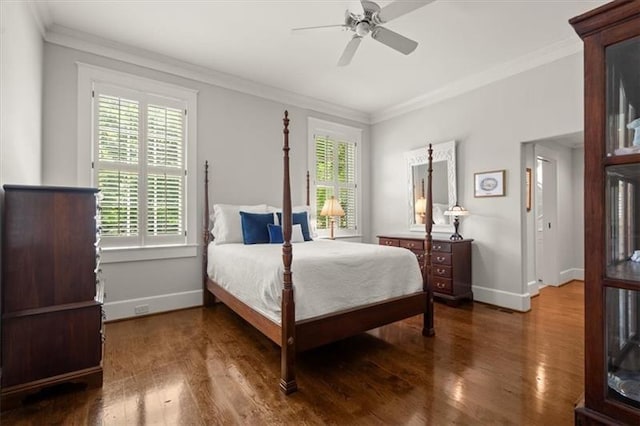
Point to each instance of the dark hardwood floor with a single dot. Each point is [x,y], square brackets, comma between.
[206,366]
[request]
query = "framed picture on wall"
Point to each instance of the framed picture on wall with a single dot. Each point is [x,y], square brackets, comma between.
[489,184]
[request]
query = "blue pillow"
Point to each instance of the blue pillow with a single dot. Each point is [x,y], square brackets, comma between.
[301,219]
[275,234]
[254,227]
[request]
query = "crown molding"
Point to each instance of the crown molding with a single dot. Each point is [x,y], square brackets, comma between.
[92,44]
[41,14]
[505,70]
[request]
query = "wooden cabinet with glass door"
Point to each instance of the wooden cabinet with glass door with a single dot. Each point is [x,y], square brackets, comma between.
[611,36]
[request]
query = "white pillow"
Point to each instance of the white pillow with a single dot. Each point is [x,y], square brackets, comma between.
[296,234]
[227,227]
[438,214]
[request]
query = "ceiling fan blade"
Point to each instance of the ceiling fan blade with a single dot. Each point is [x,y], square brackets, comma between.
[349,51]
[321,27]
[399,8]
[356,9]
[394,40]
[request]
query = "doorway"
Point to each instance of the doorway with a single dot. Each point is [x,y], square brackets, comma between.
[552,211]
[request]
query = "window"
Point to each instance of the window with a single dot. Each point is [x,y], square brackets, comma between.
[141,156]
[335,163]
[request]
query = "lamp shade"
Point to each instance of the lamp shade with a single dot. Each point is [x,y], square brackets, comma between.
[457,210]
[332,207]
[421,205]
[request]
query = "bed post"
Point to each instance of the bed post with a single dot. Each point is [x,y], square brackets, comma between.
[427,328]
[208,299]
[288,320]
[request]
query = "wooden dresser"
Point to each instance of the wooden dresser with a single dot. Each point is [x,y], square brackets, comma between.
[451,262]
[50,297]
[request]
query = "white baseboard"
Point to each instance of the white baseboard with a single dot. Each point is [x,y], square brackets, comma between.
[533,288]
[571,274]
[167,302]
[505,299]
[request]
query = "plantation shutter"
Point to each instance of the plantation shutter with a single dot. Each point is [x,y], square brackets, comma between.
[165,163]
[118,127]
[324,151]
[347,184]
[336,175]
[140,168]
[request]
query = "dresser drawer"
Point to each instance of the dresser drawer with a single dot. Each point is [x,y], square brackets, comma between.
[412,244]
[441,247]
[389,242]
[441,258]
[35,347]
[442,285]
[441,271]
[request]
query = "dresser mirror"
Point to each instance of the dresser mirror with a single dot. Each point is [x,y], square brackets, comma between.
[443,186]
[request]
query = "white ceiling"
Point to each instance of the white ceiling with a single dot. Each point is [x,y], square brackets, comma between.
[252,40]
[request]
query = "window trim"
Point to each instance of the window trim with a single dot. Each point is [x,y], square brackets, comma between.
[88,75]
[335,131]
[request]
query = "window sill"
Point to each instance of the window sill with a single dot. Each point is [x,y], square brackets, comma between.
[135,254]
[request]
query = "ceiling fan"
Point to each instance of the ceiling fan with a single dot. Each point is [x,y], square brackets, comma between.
[366,17]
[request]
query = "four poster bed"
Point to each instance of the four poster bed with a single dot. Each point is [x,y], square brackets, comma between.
[340,319]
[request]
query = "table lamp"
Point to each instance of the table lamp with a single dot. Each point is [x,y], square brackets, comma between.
[421,208]
[331,208]
[456,211]
[421,204]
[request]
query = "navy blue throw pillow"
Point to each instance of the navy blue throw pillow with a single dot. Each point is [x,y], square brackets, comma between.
[301,219]
[275,234]
[254,227]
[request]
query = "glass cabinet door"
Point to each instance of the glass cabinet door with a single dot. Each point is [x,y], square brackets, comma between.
[623,222]
[622,228]
[623,345]
[623,98]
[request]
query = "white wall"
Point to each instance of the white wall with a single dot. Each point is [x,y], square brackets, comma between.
[240,135]
[577,165]
[21,48]
[490,123]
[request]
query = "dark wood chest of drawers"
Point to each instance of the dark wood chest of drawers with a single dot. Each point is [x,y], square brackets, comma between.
[51,299]
[451,261]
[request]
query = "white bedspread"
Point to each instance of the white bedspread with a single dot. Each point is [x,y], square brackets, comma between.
[328,276]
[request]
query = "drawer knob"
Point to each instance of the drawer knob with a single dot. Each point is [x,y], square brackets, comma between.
[440,258]
[440,285]
[411,245]
[441,271]
[437,247]
[388,243]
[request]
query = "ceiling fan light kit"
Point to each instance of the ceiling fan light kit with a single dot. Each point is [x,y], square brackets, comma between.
[366,17]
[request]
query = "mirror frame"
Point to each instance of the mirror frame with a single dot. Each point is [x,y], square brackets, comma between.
[445,151]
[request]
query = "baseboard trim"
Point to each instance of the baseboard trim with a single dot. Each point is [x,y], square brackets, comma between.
[505,299]
[571,274]
[533,288]
[123,309]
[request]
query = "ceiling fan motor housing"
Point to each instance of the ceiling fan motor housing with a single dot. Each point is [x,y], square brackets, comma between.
[363,25]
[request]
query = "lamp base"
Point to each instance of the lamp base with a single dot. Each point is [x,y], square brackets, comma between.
[456,236]
[332,222]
